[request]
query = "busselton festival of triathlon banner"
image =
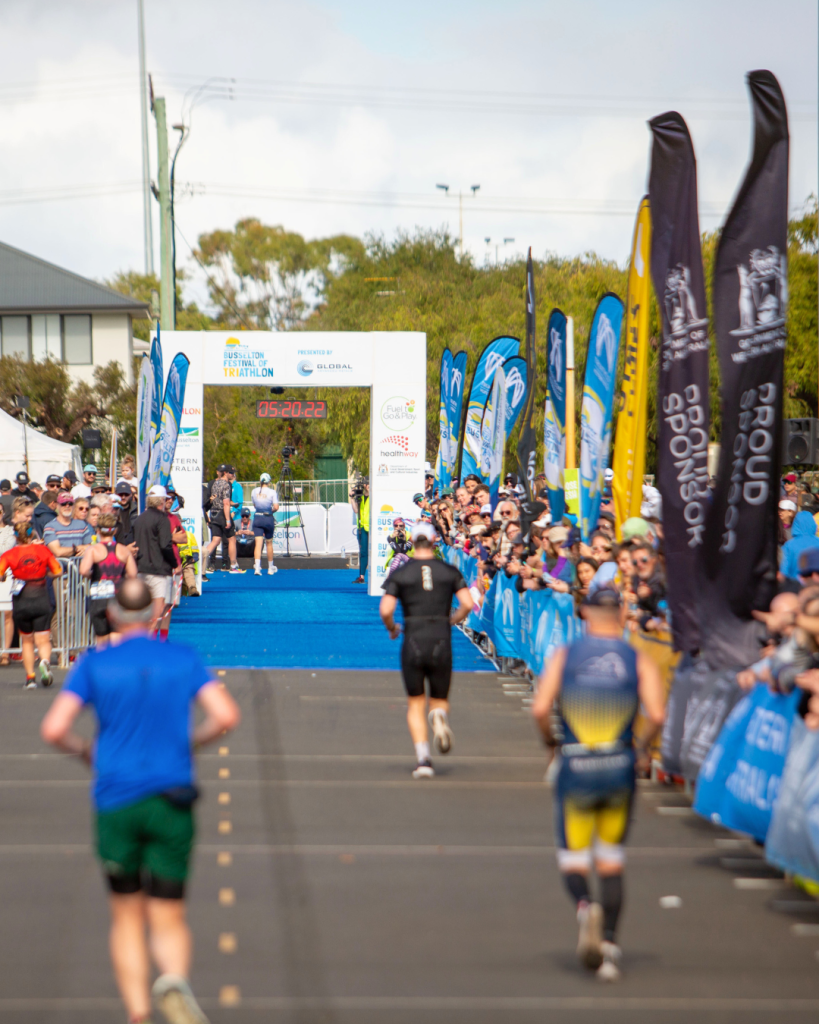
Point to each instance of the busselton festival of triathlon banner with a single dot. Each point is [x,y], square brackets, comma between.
[455,401]
[527,443]
[443,471]
[750,300]
[493,435]
[682,393]
[629,462]
[596,407]
[554,421]
[494,355]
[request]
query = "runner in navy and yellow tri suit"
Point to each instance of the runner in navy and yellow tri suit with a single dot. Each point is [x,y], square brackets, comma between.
[596,686]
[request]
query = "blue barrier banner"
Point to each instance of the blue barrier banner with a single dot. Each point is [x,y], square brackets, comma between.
[506,617]
[793,838]
[739,779]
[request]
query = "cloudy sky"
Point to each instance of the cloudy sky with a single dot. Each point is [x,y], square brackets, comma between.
[343,115]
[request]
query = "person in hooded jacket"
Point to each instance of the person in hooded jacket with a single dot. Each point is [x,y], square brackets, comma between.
[803,537]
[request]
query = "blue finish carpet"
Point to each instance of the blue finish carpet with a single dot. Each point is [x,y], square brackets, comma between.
[296,619]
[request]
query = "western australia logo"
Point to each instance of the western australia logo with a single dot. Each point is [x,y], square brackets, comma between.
[398,413]
[241,360]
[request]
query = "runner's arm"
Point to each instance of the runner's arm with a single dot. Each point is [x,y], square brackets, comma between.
[56,728]
[465,606]
[221,714]
[87,561]
[652,697]
[386,610]
[547,691]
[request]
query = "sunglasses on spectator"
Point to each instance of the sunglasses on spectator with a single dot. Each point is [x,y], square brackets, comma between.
[507,513]
[643,561]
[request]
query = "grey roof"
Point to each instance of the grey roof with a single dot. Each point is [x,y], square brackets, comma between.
[30,285]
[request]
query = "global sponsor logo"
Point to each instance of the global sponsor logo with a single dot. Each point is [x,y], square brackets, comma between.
[305,368]
[398,413]
[334,367]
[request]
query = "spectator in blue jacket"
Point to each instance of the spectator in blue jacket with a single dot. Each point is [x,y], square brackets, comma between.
[803,537]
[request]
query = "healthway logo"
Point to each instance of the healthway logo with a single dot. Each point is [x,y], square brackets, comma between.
[398,413]
[305,368]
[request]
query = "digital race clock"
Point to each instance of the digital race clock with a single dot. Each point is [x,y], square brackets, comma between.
[279,410]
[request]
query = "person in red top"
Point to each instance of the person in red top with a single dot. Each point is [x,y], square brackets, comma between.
[30,562]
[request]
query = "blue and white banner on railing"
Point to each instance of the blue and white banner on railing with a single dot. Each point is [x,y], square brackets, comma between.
[554,422]
[443,469]
[514,370]
[172,414]
[793,838]
[493,356]
[596,410]
[455,404]
[145,391]
[739,779]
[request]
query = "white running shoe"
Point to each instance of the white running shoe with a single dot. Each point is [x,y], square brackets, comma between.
[257,571]
[424,770]
[590,938]
[272,570]
[46,678]
[176,1001]
[441,733]
[609,970]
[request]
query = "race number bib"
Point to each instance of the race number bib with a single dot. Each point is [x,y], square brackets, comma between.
[17,587]
[103,589]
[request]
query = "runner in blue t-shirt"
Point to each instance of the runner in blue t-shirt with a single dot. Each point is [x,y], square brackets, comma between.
[142,692]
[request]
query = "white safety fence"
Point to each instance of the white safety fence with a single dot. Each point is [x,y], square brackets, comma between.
[71,630]
[327,531]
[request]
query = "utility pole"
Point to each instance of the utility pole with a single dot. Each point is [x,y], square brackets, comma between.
[167,318]
[146,166]
[473,189]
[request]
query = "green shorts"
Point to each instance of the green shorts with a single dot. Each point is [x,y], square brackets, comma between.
[146,845]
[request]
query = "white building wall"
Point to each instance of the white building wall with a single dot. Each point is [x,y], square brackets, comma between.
[111,341]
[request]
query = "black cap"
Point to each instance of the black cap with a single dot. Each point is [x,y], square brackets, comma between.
[5,485]
[52,478]
[245,513]
[223,468]
[121,488]
[22,477]
[34,485]
[69,474]
[605,597]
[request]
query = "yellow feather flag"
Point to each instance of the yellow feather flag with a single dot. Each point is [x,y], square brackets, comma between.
[630,444]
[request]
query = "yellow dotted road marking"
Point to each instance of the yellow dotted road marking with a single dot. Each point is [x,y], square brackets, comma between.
[225,828]
[224,858]
[224,798]
[227,897]
[227,942]
[224,751]
[224,773]
[229,995]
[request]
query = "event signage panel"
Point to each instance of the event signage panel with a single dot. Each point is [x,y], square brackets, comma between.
[269,357]
[291,410]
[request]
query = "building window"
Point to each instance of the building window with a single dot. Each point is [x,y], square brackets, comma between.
[46,338]
[15,336]
[77,339]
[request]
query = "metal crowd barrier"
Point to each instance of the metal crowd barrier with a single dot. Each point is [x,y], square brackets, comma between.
[71,630]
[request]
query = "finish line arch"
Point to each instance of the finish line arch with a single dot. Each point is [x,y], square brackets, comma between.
[393,364]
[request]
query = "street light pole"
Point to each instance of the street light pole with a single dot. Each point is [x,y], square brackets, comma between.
[506,241]
[473,189]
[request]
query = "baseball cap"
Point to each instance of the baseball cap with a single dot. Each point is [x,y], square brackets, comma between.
[99,487]
[790,477]
[52,478]
[223,468]
[70,475]
[607,516]
[788,505]
[122,488]
[446,492]
[635,527]
[157,491]
[264,478]
[603,597]
[426,530]
[429,476]
[557,535]
[417,497]
[809,562]
[65,499]
[245,513]
[22,477]
[89,467]
[486,510]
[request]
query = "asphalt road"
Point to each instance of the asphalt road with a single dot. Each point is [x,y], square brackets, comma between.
[331,887]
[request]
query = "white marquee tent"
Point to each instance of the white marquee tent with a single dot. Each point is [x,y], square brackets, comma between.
[45,454]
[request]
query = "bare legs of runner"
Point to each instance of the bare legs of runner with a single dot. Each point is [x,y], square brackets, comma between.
[168,943]
[28,642]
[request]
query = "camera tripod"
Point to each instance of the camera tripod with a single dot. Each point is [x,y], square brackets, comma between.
[287,499]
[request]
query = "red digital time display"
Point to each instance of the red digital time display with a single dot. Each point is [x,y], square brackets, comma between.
[279,410]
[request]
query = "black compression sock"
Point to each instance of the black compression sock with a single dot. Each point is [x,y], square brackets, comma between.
[578,886]
[611,890]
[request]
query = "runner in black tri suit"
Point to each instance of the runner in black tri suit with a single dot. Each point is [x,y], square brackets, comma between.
[105,564]
[425,586]
[597,685]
